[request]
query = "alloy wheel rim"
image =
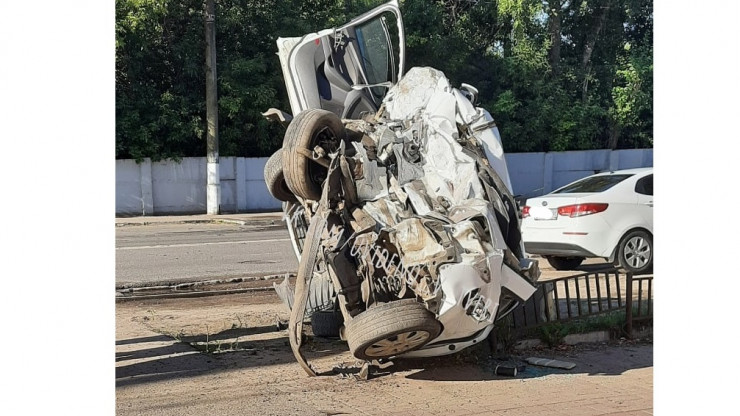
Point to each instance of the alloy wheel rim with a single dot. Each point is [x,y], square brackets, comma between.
[397,344]
[637,252]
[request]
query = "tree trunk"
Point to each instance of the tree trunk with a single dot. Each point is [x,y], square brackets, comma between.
[554,28]
[614,132]
[588,50]
[508,29]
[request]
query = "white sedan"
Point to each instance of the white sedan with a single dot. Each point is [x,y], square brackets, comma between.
[607,215]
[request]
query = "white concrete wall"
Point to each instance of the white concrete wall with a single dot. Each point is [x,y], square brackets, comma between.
[258,198]
[133,196]
[535,174]
[180,188]
[169,187]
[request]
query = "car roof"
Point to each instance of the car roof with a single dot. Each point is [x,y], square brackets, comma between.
[638,172]
[632,171]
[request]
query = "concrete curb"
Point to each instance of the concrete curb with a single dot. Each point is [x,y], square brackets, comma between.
[131,287]
[272,219]
[574,339]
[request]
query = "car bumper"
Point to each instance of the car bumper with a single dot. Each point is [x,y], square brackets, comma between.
[582,237]
[557,249]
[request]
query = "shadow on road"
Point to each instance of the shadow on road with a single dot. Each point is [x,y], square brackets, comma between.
[593,268]
[143,339]
[597,360]
[186,357]
[180,359]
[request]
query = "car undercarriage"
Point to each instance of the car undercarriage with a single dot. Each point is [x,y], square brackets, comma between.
[408,228]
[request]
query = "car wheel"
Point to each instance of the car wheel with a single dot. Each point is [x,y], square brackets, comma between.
[327,323]
[275,179]
[309,129]
[391,329]
[636,252]
[564,263]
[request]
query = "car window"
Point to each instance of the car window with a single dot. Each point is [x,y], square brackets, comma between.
[645,185]
[592,184]
[377,55]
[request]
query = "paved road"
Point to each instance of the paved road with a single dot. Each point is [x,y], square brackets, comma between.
[166,253]
[163,253]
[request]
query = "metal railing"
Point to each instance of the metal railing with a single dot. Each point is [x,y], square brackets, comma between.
[584,295]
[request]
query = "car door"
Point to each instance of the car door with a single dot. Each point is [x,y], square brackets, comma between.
[345,70]
[644,190]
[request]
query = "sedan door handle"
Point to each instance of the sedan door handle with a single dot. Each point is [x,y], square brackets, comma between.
[650,203]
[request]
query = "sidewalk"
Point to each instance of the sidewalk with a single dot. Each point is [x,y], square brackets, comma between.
[261,218]
[162,368]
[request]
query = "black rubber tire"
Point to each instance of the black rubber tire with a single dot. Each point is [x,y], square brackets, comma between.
[275,179]
[326,323]
[387,322]
[628,249]
[308,128]
[564,263]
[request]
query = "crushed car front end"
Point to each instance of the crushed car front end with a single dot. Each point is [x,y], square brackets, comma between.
[403,219]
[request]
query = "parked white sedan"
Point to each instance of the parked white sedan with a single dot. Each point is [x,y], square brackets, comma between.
[608,215]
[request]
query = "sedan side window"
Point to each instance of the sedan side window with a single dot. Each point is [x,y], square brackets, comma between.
[645,185]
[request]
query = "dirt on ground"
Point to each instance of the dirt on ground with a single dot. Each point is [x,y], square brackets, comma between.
[230,355]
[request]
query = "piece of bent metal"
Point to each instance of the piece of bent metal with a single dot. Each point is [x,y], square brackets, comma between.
[273,114]
[305,272]
[308,264]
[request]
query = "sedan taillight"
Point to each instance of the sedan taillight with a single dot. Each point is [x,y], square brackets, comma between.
[579,210]
[525,211]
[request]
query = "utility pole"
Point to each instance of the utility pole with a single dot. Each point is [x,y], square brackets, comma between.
[213,190]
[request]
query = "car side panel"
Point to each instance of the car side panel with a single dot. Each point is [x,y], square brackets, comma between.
[622,216]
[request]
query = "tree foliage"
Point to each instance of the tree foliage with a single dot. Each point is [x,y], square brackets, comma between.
[556,74]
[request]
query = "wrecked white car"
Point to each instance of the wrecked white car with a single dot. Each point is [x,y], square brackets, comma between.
[397,198]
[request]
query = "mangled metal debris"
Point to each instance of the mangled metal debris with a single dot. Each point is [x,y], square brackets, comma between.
[415,228]
[399,201]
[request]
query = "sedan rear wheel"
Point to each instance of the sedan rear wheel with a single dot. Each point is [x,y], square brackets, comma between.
[636,252]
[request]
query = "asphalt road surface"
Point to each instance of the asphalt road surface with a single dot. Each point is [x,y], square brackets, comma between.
[166,253]
[170,253]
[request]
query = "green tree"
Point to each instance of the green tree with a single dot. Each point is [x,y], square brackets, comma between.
[556,74]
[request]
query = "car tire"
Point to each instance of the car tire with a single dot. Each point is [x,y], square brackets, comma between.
[307,130]
[391,329]
[275,179]
[564,263]
[635,252]
[327,323]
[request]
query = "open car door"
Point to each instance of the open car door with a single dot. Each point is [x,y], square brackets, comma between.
[345,70]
